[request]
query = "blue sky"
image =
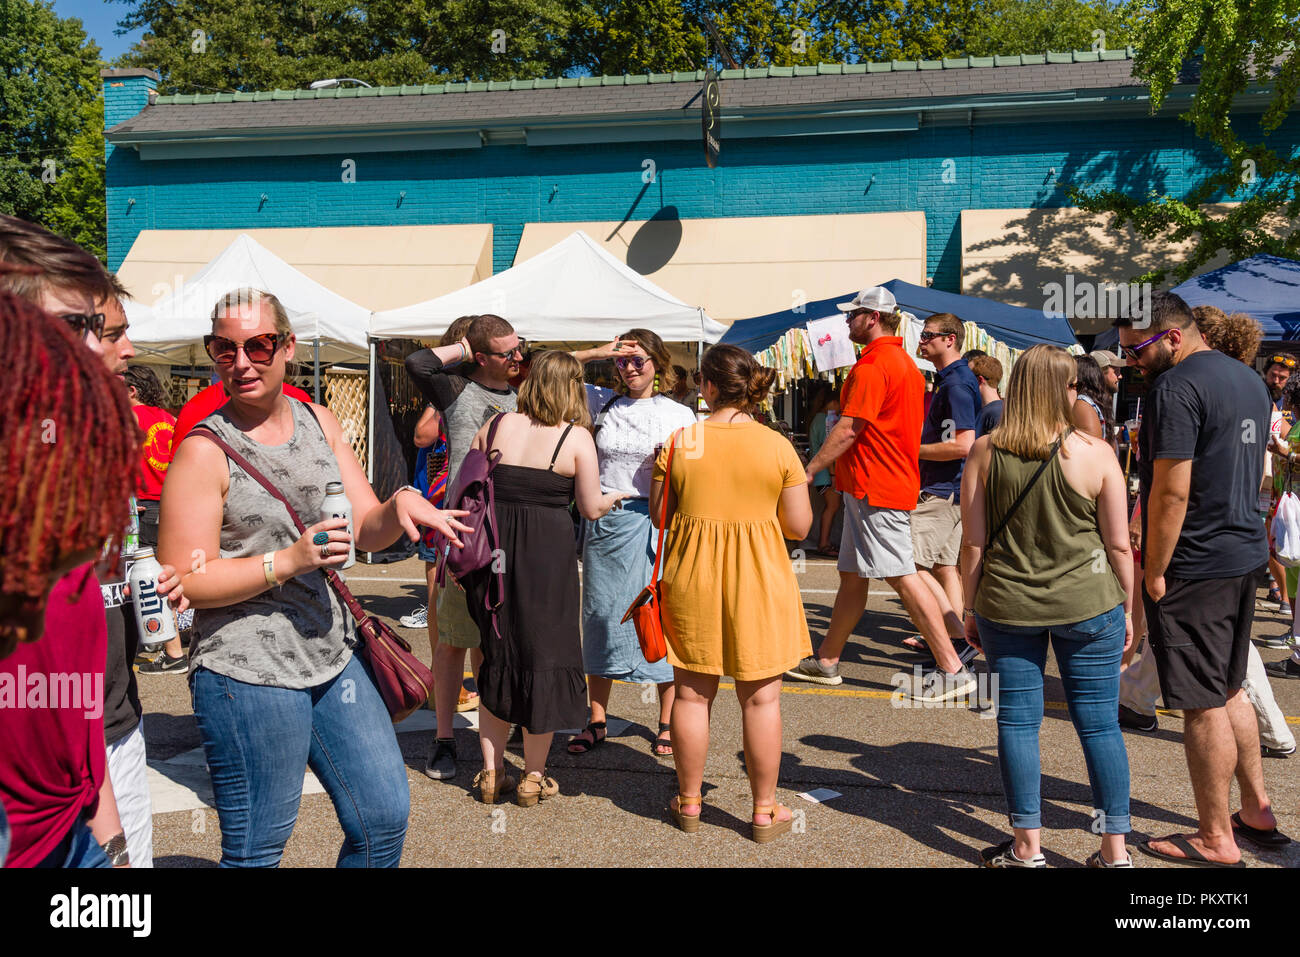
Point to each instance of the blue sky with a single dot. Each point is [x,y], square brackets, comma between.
[100,19]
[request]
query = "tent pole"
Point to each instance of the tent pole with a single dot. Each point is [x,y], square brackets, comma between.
[315,348]
[370,430]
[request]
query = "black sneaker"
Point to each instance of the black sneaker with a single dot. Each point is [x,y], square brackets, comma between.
[166,665]
[440,764]
[1128,718]
[1290,668]
[1266,752]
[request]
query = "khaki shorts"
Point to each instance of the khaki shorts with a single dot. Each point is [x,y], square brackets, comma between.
[875,542]
[456,628]
[936,531]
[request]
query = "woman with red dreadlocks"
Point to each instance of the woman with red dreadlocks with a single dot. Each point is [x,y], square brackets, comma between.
[61,498]
[275,683]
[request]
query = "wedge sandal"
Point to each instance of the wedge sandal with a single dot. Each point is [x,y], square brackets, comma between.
[770,832]
[535,787]
[690,823]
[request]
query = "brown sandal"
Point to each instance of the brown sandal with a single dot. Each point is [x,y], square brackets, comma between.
[690,823]
[768,832]
[535,786]
[492,784]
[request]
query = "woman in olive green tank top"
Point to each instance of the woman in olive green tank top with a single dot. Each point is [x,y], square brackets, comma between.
[1046,557]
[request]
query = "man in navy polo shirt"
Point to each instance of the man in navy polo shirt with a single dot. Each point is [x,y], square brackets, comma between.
[946,438]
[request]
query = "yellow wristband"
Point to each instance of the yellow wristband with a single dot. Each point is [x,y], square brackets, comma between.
[268,568]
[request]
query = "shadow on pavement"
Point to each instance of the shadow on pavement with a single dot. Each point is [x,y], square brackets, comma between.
[929,816]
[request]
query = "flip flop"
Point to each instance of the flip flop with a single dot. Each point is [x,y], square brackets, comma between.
[917,643]
[1268,839]
[1193,858]
[662,747]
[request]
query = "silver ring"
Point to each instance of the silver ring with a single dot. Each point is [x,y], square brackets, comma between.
[325,551]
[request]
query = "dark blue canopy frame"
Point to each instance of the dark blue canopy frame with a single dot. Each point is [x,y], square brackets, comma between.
[1016,326]
[1267,288]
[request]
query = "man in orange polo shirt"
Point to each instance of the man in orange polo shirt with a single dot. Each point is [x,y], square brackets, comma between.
[876,447]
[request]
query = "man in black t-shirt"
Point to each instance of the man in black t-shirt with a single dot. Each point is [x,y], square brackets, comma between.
[1201,453]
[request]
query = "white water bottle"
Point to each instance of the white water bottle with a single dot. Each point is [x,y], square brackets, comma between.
[153,614]
[336,505]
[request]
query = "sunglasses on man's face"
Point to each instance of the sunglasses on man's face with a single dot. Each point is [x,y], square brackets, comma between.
[521,350]
[259,349]
[927,335]
[1133,351]
[82,323]
[636,362]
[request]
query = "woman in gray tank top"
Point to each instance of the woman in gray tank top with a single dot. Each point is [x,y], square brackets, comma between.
[275,684]
[1046,560]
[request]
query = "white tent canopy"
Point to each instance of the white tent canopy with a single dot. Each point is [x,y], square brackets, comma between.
[573,292]
[172,328]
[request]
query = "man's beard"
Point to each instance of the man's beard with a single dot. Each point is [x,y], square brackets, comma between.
[1162,362]
[1275,392]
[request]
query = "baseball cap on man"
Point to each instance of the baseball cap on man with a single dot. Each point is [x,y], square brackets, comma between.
[877,299]
[1104,359]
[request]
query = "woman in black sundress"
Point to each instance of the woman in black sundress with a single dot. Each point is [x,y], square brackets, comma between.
[532,672]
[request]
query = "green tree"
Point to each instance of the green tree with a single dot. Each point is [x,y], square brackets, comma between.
[238,45]
[51,124]
[1226,47]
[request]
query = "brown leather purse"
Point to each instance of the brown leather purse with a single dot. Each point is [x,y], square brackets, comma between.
[645,611]
[402,679]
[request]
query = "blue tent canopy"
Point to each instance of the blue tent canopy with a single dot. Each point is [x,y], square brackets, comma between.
[1018,327]
[1267,288]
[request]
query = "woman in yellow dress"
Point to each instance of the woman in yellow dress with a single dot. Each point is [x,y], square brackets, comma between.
[730,602]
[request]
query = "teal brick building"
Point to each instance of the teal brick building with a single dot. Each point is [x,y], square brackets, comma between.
[942,141]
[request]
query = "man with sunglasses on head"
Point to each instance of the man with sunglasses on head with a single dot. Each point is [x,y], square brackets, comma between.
[1278,370]
[1201,453]
[468,382]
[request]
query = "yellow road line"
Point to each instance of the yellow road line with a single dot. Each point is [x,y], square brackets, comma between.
[838,692]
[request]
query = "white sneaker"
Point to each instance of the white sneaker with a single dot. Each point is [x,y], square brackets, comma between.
[416,619]
[938,685]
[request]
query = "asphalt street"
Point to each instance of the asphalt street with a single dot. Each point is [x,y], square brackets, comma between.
[911,787]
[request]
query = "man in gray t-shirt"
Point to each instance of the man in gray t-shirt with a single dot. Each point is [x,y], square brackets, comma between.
[484,362]
[471,395]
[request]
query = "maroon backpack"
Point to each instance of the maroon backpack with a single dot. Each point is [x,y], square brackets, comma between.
[473,491]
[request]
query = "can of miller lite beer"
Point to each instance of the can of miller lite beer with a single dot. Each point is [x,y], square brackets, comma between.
[153,613]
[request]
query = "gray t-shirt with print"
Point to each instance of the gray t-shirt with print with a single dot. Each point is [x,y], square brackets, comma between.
[297,635]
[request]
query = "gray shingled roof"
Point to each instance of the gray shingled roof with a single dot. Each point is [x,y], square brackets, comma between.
[771,88]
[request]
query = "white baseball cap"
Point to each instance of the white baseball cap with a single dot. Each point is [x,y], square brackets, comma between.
[877,299]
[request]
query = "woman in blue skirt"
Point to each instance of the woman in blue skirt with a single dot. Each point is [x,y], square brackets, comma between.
[631,424]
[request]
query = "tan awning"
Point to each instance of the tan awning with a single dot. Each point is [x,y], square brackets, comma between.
[749,266]
[379,267]
[1011,254]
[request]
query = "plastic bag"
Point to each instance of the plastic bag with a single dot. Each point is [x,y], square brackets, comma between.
[1286,530]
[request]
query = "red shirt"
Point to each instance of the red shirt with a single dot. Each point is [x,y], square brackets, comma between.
[886,391]
[156,453]
[52,725]
[211,399]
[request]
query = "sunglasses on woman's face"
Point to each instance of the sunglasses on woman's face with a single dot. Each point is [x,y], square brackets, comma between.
[259,349]
[82,323]
[636,362]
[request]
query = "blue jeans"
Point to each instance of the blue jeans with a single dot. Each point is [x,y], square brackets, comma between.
[260,740]
[77,849]
[1088,654]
